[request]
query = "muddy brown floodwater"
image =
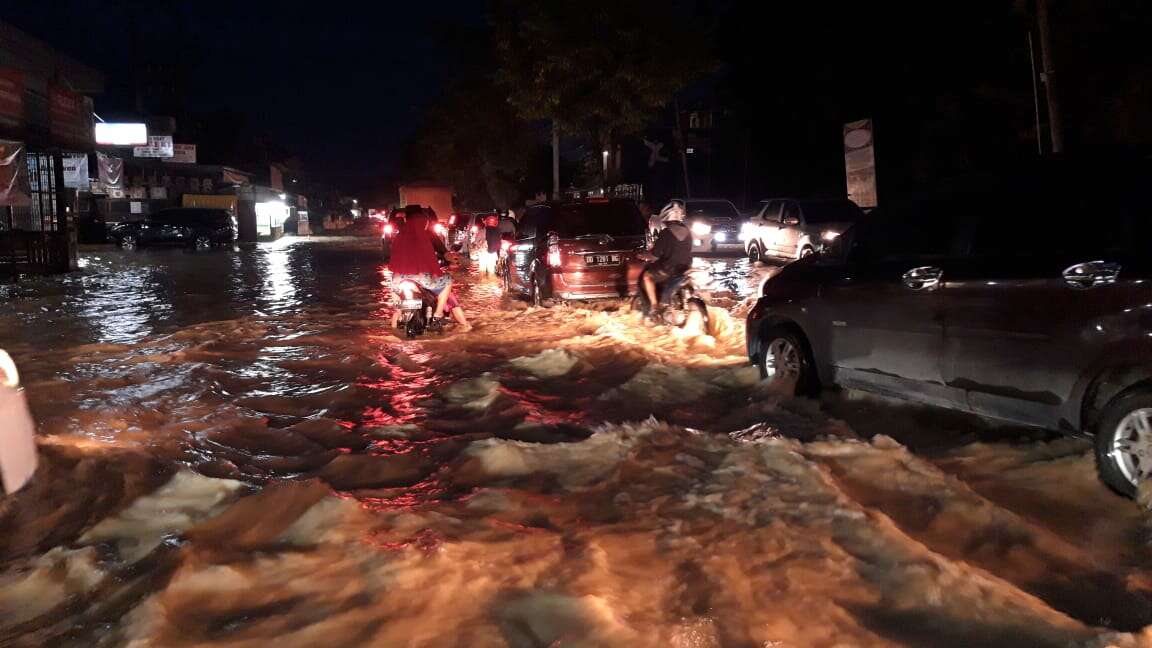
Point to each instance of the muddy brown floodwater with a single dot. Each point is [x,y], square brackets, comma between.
[237,451]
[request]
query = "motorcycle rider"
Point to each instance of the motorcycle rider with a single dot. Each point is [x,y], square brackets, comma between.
[672,254]
[414,258]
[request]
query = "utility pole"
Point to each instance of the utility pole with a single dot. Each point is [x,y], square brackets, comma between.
[679,134]
[1035,94]
[555,161]
[1048,75]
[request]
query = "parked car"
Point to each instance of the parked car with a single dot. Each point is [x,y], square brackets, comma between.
[587,249]
[715,224]
[1033,308]
[194,227]
[792,229]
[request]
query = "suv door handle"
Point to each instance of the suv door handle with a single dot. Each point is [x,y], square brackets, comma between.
[923,278]
[1091,274]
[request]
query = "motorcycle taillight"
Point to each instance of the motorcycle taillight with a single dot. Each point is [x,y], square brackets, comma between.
[407,289]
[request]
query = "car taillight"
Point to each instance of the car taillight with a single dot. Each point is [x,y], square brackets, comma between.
[505,245]
[554,256]
[452,219]
[438,228]
[388,229]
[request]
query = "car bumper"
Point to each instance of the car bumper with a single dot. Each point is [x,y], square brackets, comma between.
[713,242]
[596,284]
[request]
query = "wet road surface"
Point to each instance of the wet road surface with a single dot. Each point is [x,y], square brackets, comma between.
[237,451]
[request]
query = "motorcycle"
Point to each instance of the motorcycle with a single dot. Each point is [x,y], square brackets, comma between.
[502,257]
[417,304]
[682,306]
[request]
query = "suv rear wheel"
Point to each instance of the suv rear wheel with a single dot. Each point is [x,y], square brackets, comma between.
[786,363]
[128,242]
[1124,442]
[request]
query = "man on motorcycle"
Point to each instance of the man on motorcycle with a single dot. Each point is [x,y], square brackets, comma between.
[672,253]
[414,258]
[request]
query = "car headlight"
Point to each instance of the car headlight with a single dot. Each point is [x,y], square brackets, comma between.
[721,237]
[701,229]
[829,235]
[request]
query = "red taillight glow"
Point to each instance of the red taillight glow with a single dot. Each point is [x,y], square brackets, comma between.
[475,228]
[452,219]
[438,228]
[504,245]
[388,229]
[554,257]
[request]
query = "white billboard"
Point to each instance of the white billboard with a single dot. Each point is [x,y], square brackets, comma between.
[159,146]
[122,134]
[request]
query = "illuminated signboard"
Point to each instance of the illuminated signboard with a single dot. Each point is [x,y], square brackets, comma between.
[121,134]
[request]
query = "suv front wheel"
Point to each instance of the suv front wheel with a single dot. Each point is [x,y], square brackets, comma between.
[1124,442]
[785,362]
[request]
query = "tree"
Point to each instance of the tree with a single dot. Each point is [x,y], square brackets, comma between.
[599,70]
[474,140]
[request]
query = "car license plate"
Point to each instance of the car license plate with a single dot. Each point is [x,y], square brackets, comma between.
[601,259]
[411,304]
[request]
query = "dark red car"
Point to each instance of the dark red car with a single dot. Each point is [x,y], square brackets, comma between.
[588,249]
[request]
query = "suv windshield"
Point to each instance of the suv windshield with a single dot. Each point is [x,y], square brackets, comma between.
[710,209]
[830,211]
[614,219]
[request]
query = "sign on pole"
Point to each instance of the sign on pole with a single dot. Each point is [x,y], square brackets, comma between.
[860,162]
[183,154]
[159,146]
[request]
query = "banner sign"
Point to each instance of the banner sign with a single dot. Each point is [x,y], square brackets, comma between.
[70,116]
[860,162]
[14,189]
[76,171]
[17,431]
[11,96]
[159,146]
[111,174]
[183,154]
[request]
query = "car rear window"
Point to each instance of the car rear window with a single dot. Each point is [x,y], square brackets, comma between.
[830,211]
[711,209]
[614,219]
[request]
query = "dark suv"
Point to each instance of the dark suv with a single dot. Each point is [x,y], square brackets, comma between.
[193,227]
[588,249]
[1029,303]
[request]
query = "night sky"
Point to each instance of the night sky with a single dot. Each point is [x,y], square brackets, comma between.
[341,84]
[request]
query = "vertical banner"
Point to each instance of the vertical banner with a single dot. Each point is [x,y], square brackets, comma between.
[68,116]
[11,96]
[860,162]
[111,174]
[14,189]
[76,171]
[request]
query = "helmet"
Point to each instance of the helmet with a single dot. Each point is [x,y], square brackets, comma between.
[672,212]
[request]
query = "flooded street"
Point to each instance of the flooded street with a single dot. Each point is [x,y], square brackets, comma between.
[238,451]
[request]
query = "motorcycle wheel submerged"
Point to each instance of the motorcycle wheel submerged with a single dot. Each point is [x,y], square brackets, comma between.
[413,322]
[682,310]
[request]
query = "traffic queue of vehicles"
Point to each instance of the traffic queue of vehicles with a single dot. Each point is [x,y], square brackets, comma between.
[1022,311]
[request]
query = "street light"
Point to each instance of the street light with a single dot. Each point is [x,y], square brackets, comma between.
[605,163]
